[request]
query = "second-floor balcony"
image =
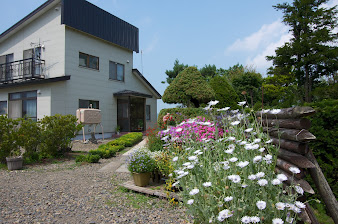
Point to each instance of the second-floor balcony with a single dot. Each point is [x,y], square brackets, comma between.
[19,71]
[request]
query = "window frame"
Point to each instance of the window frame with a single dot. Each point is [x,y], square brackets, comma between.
[23,98]
[6,109]
[89,102]
[87,64]
[111,76]
[148,113]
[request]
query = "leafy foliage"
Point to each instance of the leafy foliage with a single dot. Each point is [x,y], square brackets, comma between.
[224,92]
[154,142]
[176,70]
[309,54]
[188,88]
[8,137]
[324,127]
[57,132]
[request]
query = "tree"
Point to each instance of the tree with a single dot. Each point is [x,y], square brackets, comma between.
[208,72]
[188,88]
[310,53]
[249,82]
[176,70]
[224,92]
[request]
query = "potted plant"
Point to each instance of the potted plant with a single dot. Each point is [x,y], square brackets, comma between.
[15,160]
[118,129]
[140,163]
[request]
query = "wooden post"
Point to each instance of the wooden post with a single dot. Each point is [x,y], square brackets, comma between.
[323,188]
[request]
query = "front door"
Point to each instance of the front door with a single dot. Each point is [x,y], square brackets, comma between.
[131,114]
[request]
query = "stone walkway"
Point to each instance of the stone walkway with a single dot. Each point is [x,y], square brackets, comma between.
[67,192]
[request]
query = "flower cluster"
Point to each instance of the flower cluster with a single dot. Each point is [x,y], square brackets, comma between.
[197,129]
[168,119]
[140,161]
[230,177]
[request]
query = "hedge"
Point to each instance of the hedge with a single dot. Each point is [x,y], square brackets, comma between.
[110,149]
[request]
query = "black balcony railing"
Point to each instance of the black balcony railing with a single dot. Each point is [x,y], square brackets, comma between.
[19,71]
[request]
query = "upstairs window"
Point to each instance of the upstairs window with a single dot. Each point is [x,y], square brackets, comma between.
[116,71]
[88,61]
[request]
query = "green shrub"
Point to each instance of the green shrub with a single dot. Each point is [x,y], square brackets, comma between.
[8,137]
[89,158]
[57,132]
[127,140]
[154,142]
[324,127]
[29,137]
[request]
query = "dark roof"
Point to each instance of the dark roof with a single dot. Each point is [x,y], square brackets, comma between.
[131,93]
[88,18]
[139,74]
[34,81]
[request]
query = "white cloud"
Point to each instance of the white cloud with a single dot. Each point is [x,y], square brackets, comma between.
[263,37]
[259,61]
[330,4]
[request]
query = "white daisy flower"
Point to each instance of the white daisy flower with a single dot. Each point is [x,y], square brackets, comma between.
[178,129]
[241,103]
[260,174]
[268,141]
[282,177]
[300,204]
[231,138]
[191,166]
[245,219]
[234,178]
[242,164]
[233,159]
[257,159]
[192,158]
[190,201]
[224,109]
[262,149]
[235,123]
[294,170]
[213,103]
[276,182]
[243,142]
[175,159]
[299,190]
[280,206]
[174,184]
[255,219]
[224,214]
[207,184]
[194,191]
[248,130]
[262,182]
[252,177]
[186,164]
[277,221]
[228,198]
[257,140]
[275,111]
[261,205]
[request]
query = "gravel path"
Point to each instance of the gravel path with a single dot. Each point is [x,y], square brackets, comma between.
[70,193]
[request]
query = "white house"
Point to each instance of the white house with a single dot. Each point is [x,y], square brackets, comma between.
[69,54]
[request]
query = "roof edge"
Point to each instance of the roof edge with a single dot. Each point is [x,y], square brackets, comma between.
[30,15]
[137,73]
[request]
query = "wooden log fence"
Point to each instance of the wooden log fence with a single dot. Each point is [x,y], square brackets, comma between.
[288,130]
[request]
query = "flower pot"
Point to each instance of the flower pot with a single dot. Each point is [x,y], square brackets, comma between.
[14,163]
[141,179]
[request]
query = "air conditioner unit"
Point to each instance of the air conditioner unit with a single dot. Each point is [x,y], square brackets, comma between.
[88,116]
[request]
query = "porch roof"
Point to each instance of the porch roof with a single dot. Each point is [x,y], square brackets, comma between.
[132,93]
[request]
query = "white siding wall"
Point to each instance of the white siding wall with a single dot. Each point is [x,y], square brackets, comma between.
[47,30]
[90,84]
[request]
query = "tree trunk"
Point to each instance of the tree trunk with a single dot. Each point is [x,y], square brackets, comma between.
[307,78]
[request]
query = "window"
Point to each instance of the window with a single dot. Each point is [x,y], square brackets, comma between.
[3,107]
[116,71]
[22,104]
[148,112]
[86,104]
[6,70]
[89,61]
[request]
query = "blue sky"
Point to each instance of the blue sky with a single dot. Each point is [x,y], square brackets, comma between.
[220,32]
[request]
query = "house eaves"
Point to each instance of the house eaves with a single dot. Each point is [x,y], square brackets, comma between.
[138,74]
[28,19]
[88,18]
